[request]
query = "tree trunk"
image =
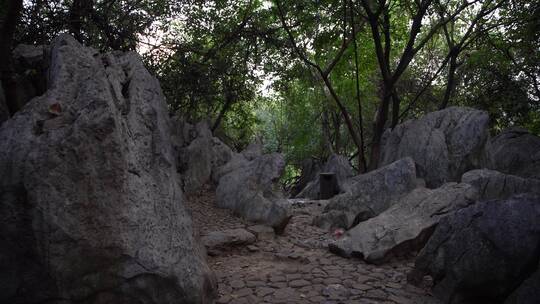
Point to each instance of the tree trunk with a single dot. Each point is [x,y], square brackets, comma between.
[450,82]
[362,166]
[11,18]
[229,101]
[396,102]
[337,131]
[326,133]
[76,19]
[378,130]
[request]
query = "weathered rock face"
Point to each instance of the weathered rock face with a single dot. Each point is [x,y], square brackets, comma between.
[91,208]
[369,195]
[253,150]
[483,253]
[199,154]
[406,226]
[444,144]
[337,164]
[515,151]
[247,187]
[492,184]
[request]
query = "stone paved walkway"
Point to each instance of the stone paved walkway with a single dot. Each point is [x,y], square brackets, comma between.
[296,267]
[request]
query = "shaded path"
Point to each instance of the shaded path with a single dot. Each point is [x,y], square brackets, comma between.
[296,267]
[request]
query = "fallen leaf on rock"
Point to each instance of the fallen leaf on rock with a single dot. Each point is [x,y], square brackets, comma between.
[55,109]
[338,233]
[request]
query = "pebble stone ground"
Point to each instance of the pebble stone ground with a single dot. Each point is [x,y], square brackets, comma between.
[296,267]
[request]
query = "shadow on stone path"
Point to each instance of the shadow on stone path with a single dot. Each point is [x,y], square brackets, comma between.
[296,267]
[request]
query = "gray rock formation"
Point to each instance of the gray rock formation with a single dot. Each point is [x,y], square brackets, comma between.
[369,195]
[199,154]
[515,151]
[406,226]
[253,150]
[248,188]
[216,240]
[444,144]
[236,163]
[492,184]
[337,164]
[91,210]
[482,254]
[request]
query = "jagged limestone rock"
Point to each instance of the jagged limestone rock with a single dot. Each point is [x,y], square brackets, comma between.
[515,151]
[248,187]
[202,155]
[91,208]
[369,194]
[483,253]
[444,144]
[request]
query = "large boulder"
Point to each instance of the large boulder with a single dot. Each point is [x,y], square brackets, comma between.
[492,184]
[482,254]
[369,195]
[406,226]
[515,151]
[444,144]
[91,211]
[341,168]
[248,187]
[199,154]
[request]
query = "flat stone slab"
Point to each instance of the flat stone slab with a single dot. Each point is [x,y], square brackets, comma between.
[406,226]
[262,232]
[228,238]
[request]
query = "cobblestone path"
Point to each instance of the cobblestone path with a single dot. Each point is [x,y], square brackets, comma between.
[296,267]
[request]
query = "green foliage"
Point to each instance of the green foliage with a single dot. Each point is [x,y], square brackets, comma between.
[290,176]
[240,125]
[104,24]
[213,58]
[501,72]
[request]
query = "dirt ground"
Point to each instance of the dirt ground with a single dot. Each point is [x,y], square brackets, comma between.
[297,267]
